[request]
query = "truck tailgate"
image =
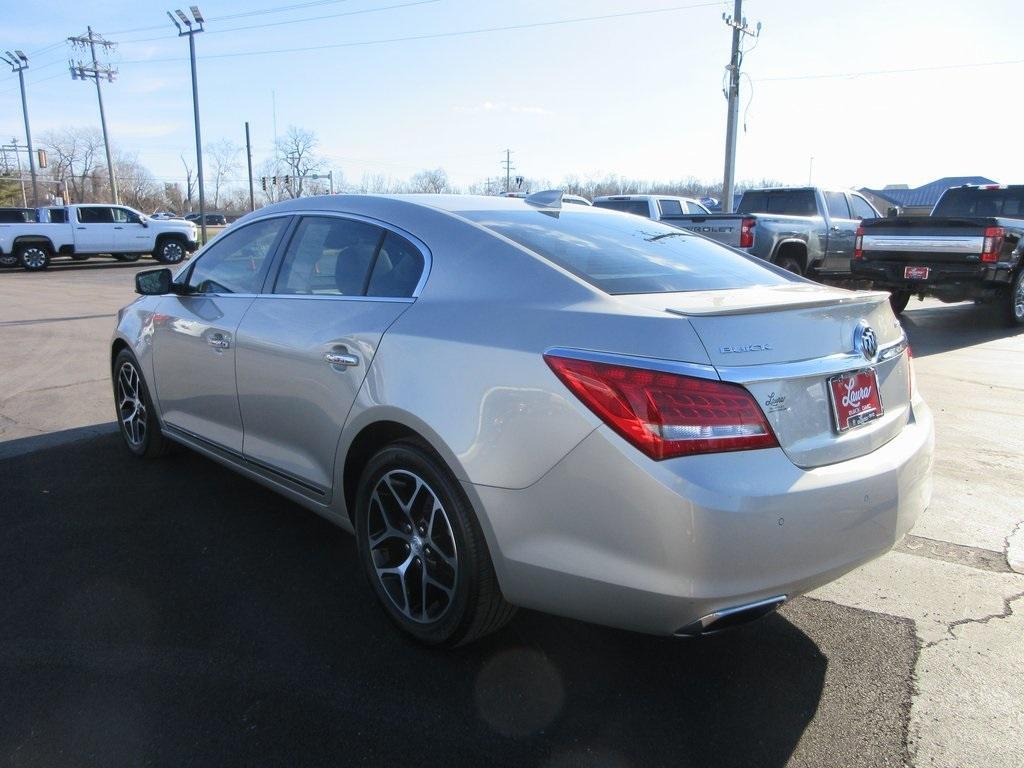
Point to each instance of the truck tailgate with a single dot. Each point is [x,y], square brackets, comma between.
[721,227]
[925,239]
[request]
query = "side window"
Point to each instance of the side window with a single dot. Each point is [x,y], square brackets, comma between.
[124,216]
[837,206]
[235,262]
[670,208]
[398,269]
[328,256]
[861,208]
[95,215]
[696,208]
[58,216]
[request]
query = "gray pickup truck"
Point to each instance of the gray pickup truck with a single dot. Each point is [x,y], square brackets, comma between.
[806,230]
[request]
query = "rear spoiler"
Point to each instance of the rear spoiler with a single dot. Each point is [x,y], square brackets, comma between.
[759,307]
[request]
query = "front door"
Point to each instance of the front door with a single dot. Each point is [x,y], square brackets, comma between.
[95,230]
[194,334]
[304,347]
[131,236]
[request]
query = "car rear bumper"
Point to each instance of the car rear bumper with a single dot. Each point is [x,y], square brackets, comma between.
[889,274]
[612,537]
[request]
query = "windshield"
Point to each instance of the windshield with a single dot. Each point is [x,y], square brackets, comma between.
[787,202]
[973,201]
[622,254]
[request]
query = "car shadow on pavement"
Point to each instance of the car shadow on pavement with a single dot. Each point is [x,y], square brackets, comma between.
[173,612]
[933,330]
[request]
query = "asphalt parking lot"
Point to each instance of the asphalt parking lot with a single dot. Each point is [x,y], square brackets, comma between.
[169,613]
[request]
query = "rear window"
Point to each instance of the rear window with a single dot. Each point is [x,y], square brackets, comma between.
[639,207]
[787,202]
[619,254]
[981,202]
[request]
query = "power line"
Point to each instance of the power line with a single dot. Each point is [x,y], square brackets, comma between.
[436,35]
[241,14]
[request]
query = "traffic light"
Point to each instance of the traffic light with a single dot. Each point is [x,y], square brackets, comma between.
[263,180]
[274,179]
[42,157]
[288,181]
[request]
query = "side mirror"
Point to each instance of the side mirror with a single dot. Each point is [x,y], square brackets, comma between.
[153,282]
[144,221]
[892,213]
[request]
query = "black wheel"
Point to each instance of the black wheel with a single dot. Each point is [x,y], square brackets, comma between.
[34,256]
[127,256]
[422,549]
[135,413]
[898,300]
[790,264]
[170,251]
[8,260]
[1015,301]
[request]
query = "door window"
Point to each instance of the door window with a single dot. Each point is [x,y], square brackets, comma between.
[329,257]
[670,208]
[398,269]
[124,216]
[861,208]
[236,262]
[696,208]
[837,205]
[96,214]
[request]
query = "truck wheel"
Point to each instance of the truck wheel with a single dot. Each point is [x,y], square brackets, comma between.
[34,257]
[127,256]
[170,251]
[8,260]
[1015,302]
[898,300]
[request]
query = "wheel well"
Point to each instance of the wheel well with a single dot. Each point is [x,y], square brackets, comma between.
[163,236]
[795,250]
[115,350]
[371,439]
[32,240]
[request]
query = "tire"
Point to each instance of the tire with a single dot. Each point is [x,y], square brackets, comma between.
[898,300]
[8,260]
[127,257]
[1014,303]
[34,257]
[136,417]
[412,514]
[790,264]
[170,250]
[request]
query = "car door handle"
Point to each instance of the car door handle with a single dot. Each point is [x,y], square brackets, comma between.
[218,341]
[118,227]
[337,359]
[835,228]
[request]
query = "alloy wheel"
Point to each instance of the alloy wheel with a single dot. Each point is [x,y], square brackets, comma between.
[1018,300]
[131,407]
[172,252]
[34,258]
[412,546]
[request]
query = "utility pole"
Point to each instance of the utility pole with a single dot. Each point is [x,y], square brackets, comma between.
[95,71]
[507,165]
[248,158]
[739,30]
[19,63]
[192,30]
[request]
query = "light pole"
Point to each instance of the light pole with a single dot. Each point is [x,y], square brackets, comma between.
[19,63]
[192,30]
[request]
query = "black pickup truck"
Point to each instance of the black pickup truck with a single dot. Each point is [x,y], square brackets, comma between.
[970,247]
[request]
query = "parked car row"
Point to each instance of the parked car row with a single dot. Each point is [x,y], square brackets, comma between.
[82,231]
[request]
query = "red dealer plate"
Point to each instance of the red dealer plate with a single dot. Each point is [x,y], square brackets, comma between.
[855,399]
[916,273]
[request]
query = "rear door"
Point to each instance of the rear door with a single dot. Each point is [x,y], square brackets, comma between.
[194,334]
[306,344]
[842,229]
[95,229]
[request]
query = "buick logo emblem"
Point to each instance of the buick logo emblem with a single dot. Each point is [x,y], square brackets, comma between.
[865,341]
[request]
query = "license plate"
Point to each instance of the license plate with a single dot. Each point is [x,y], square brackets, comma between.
[916,273]
[855,399]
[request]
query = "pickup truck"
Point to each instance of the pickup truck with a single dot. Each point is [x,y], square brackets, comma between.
[81,231]
[654,207]
[806,230]
[970,247]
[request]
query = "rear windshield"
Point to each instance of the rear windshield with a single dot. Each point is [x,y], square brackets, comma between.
[639,207]
[622,254]
[787,202]
[981,202]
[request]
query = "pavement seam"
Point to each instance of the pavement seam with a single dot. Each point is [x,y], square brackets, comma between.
[1004,614]
[1009,544]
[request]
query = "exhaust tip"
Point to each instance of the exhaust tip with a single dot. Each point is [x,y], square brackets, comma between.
[727,618]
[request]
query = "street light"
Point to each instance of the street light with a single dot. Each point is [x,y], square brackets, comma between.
[19,63]
[192,29]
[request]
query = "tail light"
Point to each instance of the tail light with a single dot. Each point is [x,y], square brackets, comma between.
[747,233]
[993,245]
[858,244]
[665,414]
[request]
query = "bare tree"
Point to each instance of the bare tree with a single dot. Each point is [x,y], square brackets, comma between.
[223,156]
[74,158]
[435,181]
[296,151]
[190,183]
[136,184]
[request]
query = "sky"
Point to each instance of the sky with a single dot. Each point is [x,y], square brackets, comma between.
[875,91]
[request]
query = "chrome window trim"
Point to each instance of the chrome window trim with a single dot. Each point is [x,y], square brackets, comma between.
[186,268]
[428,259]
[699,370]
[331,297]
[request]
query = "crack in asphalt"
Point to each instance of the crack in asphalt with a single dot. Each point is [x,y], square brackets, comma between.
[1006,613]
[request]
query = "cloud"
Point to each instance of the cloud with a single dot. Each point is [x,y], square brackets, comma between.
[501,106]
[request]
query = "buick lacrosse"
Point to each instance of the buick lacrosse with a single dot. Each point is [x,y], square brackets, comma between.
[514,403]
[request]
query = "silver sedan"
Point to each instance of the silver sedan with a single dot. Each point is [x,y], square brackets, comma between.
[515,403]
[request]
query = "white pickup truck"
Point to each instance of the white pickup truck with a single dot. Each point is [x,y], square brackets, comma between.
[81,231]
